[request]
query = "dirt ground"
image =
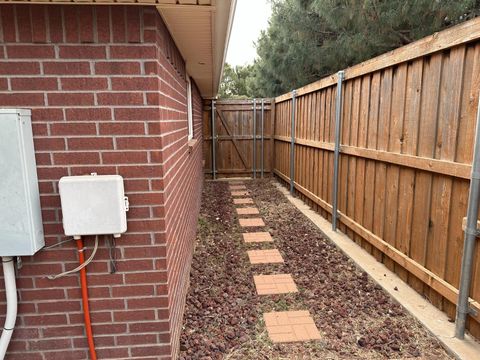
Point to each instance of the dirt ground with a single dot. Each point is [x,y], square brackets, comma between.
[223,316]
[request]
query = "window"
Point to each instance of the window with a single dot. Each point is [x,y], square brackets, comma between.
[189,109]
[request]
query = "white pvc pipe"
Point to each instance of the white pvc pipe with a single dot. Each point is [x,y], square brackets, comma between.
[11,294]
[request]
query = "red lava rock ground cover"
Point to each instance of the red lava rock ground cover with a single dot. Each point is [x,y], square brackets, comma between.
[223,317]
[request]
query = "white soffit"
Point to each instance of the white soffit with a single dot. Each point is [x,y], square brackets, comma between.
[201,30]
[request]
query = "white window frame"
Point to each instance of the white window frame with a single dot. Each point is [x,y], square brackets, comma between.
[189,108]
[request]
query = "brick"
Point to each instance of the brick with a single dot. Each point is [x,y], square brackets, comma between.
[82,52]
[274,284]
[86,31]
[73,128]
[123,98]
[254,237]
[93,83]
[142,113]
[135,83]
[253,222]
[119,28]
[133,52]
[66,68]
[121,157]
[118,68]
[8,24]
[139,143]
[48,144]
[24,25]
[34,83]
[47,114]
[133,315]
[22,99]
[264,256]
[76,158]
[39,27]
[88,114]
[73,99]
[103,24]
[122,128]
[90,143]
[30,51]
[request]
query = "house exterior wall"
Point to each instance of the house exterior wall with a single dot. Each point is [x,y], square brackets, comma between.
[107,90]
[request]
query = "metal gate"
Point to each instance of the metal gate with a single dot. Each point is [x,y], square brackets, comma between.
[238,138]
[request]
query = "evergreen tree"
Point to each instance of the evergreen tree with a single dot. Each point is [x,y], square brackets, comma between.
[309,39]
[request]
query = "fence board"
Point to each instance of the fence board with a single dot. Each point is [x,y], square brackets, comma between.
[406,142]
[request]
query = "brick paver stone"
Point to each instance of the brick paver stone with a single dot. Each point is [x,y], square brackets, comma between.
[247,211]
[251,222]
[236,182]
[255,237]
[290,326]
[243,201]
[240,193]
[238,187]
[264,256]
[274,284]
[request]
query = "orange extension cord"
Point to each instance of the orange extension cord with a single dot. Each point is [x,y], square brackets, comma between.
[86,308]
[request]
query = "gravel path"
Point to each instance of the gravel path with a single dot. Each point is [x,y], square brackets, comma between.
[223,317]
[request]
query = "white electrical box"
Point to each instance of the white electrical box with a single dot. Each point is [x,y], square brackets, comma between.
[93,205]
[21,228]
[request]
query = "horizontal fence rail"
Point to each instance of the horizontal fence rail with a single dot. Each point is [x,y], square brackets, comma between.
[406,141]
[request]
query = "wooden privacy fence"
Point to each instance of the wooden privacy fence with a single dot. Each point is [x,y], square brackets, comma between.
[408,121]
[241,137]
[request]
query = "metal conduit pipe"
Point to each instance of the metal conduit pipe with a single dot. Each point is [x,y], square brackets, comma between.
[292,145]
[11,294]
[254,166]
[470,238]
[338,124]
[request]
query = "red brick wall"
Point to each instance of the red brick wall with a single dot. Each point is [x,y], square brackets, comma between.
[107,90]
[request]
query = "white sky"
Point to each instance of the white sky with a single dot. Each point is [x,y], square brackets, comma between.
[251,16]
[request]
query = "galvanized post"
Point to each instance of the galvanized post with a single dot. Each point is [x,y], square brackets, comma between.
[254,166]
[292,145]
[471,233]
[263,109]
[214,170]
[338,120]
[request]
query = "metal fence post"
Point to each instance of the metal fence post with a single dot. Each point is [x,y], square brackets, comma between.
[262,120]
[292,145]
[254,166]
[338,120]
[213,141]
[470,238]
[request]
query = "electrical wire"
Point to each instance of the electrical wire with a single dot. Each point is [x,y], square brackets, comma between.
[112,252]
[80,267]
[58,244]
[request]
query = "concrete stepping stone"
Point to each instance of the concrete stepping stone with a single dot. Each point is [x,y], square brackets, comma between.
[240,193]
[247,211]
[270,256]
[243,201]
[290,326]
[256,237]
[274,284]
[253,222]
[238,187]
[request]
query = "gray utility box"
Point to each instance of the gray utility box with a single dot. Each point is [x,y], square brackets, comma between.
[21,229]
